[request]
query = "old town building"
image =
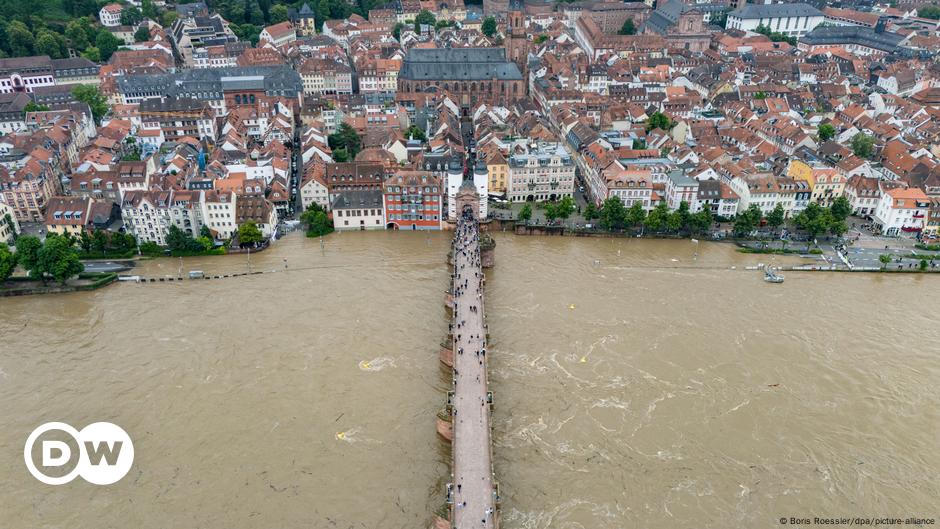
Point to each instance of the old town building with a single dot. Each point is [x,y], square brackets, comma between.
[545,171]
[413,200]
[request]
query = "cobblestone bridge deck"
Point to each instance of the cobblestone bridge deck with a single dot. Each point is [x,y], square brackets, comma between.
[473,494]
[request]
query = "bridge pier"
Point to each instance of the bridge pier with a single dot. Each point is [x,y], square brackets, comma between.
[487,251]
[447,356]
[445,426]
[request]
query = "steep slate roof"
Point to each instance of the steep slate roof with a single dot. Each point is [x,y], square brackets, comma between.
[459,64]
[358,199]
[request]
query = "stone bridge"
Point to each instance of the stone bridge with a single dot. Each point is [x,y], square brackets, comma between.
[473,492]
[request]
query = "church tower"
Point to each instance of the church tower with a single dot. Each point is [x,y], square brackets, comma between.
[517,44]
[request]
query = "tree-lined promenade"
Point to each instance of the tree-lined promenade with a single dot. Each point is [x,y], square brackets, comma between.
[613,216]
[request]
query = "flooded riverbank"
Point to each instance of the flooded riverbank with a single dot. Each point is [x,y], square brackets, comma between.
[636,383]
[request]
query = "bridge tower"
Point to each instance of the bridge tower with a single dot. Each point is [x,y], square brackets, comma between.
[516,43]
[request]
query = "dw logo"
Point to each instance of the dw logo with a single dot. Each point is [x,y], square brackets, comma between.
[105,453]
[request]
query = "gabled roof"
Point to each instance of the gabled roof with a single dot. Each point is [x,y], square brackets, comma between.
[752,11]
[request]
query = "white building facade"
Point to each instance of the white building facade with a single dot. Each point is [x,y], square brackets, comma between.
[544,172]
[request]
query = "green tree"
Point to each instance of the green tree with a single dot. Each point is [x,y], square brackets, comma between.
[33,107]
[84,241]
[142,34]
[658,120]
[636,215]
[247,32]
[319,225]
[107,44]
[27,253]
[253,13]
[923,266]
[775,36]
[7,262]
[776,218]
[204,231]
[701,220]
[131,16]
[931,12]
[149,10]
[151,248]
[815,220]
[346,138]
[168,18]
[551,212]
[564,208]
[489,26]
[124,241]
[808,214]
[720,19]
[863,145]
[89,26]
[685,215]
[656,220]
[424,17]
[674,221]
[885,259]
[21,40]
[415,132]
[525,214]
[77,35]
[51,44]
[278,13]
[826,132]
[841,208]
[628,28]
[835,226]
[317,221]
[57,259]
[92,53]
[176,240]
[340,155]
[99,241]
[748,220]
[90,94]
[590,211]
[613,214]
[396,31]
[249,233]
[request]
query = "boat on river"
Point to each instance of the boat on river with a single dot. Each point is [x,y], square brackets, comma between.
[772,277]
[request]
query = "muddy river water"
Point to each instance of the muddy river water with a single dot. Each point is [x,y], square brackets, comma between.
[638,384]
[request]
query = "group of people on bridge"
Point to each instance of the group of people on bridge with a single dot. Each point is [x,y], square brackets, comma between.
[472,465]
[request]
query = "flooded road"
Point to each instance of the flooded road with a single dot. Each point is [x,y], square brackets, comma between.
[636,385]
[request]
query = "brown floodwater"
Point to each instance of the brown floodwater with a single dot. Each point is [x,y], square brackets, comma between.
[637,385]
